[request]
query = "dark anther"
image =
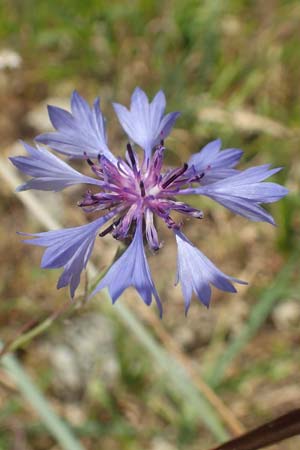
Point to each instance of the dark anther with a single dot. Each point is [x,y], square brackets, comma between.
[175,176]
[107,230]
[197,177]
[142,188]
[111,228]
[131,155]
[88,160]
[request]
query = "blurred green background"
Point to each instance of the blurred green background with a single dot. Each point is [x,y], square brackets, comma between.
[232,68]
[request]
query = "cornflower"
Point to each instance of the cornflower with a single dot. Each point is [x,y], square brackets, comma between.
[129,193]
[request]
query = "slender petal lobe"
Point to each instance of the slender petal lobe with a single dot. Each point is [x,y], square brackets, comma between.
[196,273]
[145,123]
[211,164]
[131,269]
[79,133]
[244,192]
[48,172]
[69,248]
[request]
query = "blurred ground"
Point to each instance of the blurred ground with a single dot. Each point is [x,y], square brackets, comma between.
[233,69]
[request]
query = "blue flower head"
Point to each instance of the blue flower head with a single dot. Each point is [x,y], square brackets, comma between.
[128,194]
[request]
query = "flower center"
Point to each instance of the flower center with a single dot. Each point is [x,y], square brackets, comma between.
[137,193]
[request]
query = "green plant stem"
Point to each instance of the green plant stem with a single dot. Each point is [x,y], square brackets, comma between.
[40,328]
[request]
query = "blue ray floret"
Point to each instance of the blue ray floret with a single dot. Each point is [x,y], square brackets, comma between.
[48,172]
[196,273]
[128,194]
[131,269]
[84,129]
[145,123]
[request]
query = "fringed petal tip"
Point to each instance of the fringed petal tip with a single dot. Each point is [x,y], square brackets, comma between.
[145,123]
[196,273]
[81,131]
[131,269]
[47,171]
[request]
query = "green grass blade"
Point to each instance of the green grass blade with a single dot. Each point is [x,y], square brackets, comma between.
[56,426]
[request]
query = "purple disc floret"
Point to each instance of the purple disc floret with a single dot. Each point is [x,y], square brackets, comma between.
[130,194]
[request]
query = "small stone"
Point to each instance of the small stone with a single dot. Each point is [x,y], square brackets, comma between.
[83,353]
[161,444]
[9,59]
[286,315]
